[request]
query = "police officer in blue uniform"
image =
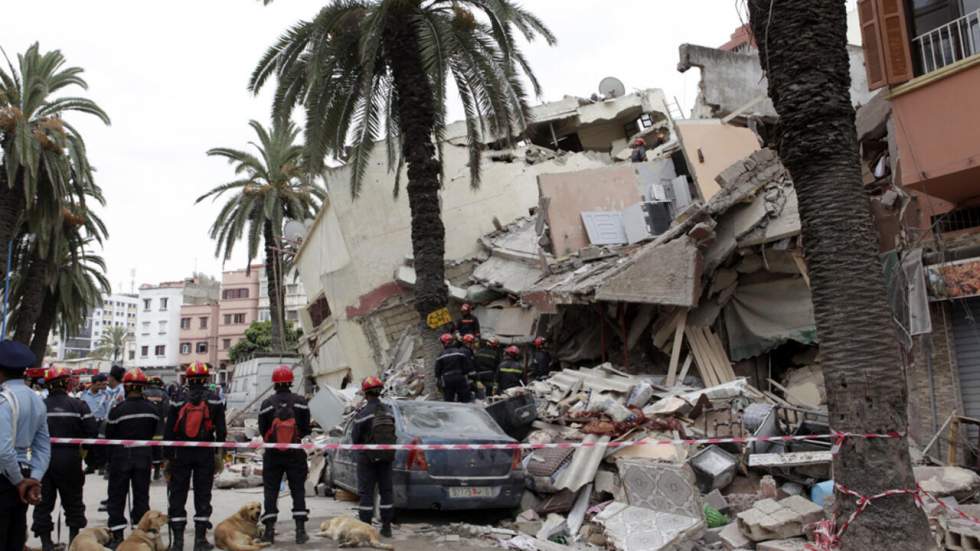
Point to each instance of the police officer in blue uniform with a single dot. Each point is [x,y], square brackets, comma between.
[23,426]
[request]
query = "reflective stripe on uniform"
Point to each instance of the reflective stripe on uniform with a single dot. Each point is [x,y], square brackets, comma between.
[510,370]
[301,406]
[365,418]
[135,416]
[65,414]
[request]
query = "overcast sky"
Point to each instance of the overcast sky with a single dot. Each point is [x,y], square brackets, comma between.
[172,77]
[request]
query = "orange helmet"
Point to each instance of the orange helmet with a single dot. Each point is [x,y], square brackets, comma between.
[512,351]
[55,373]
[197,369]
[282,374]
[370,383]
[469,339]
[446,339]
[135,376]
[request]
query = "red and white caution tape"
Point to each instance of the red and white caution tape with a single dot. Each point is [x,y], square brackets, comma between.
[312,446]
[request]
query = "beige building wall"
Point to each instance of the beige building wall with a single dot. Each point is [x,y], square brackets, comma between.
[238,307]
[199,330]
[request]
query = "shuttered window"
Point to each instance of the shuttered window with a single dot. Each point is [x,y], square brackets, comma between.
[887,52]
[873,54]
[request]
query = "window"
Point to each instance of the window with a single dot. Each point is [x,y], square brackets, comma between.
[225,344]
[265,315]
[227,319]
[202,348]
[146,304]
[144,351]
[238,319]
[185,348]
[163,327]
[232,294]
[132,355]
[292,315]
[185,323]
[319,311]
[292,289]
[204,323]
[160,350]
[146,328]
[163,304]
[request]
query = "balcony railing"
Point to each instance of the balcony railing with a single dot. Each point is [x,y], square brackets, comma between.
[942,46]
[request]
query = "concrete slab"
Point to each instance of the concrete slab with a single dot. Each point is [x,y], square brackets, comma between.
[630,528]
[668,274]
[663,487]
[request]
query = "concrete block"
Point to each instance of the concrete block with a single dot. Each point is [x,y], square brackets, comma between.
[664,487]
[733,538]
[772,520]
[795,544]
[716,500]
[630,528]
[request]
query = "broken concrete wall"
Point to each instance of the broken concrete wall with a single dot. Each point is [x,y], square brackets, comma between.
[933,380]
[710,147]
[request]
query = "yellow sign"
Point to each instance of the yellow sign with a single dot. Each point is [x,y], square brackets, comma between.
[438,318]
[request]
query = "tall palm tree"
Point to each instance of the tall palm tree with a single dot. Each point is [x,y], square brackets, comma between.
[364,70]
[802,47]
[113,343]
[44,159]
[273,187]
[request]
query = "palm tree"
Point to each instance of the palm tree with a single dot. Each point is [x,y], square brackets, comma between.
[113,343]
[273,187]
[802,48]
[367,69]
[44,159]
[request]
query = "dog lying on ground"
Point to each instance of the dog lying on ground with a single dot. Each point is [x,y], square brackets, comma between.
[350,532]
[91,539]
[147,536]
[240,532]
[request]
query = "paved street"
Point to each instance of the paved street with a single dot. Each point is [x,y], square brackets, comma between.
[409,536]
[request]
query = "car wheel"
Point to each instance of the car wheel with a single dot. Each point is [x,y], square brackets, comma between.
[327,478]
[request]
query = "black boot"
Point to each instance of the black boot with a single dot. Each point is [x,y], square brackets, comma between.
[117,538]
[46,543]
[72,533]
[201,538]
[301,536]
[386,529]
[176,537]
[269,536]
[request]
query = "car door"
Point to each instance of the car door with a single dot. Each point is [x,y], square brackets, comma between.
[344,467]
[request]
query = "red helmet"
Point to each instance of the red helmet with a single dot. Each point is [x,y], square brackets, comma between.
[639,141]
[282,374]
[539,342]
[446,339]
[55,373]
[512,351]
[371,383]
[135,376]
[493,342]
[197,369]
[469,339]
[467,307]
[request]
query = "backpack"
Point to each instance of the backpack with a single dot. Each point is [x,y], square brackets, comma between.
[194,420]
[382,432]
[283,429]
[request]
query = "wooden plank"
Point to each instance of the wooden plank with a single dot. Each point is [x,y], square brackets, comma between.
[954,435]
[942,429]
[666,329]
[687,367]
[710,354]
[695,339]
[675,355]
[801,266]
[722,356]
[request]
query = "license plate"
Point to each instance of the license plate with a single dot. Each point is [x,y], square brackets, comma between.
[475,491]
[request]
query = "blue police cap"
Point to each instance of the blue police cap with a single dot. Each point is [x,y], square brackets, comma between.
[16,356]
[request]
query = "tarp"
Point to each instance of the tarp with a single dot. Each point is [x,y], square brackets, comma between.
[762,316]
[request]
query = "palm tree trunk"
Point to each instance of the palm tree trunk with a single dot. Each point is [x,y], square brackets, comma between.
[417,120]
[274,276]
[45,321]
[32,298]
[11,207]
[802,47]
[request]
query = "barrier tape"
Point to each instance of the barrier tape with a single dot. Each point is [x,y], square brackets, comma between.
[828,538]
[312,446]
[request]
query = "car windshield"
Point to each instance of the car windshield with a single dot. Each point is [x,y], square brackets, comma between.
[447,421]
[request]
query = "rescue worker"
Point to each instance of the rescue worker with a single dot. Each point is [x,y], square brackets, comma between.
[639,153]
[155,393]
[453,368]
[115,394]
[198,415]
[135,418]
[467,324]
[67,418]
[23,426]
[372,424]
[487,359]
[97,401]
[510,373]
[541,360]
[284,418]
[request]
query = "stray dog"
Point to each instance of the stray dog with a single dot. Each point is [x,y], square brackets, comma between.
[91,539]
[147,536]
[350,532]
[240,532]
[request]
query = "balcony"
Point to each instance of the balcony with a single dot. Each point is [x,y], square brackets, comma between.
[948,44]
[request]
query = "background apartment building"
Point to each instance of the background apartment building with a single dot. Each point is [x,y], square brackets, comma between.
[295,297]
[159,322]
[237,309]
[117,310]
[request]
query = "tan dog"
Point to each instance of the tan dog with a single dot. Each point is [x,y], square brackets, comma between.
[147,536]
[240,532]
[350,532]
[91,539]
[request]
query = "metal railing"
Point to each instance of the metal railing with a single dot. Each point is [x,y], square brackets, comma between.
[945,45]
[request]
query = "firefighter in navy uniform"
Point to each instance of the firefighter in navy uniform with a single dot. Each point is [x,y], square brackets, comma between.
[510,373]
[197,415]
[541,360]
[453,368]
[487,359]
[67,418]
[374,424]
[284,418]
[468,324]
[155,393]
[135,418]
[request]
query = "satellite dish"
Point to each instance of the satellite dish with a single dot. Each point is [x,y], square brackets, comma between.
[612,87]
[294,231]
